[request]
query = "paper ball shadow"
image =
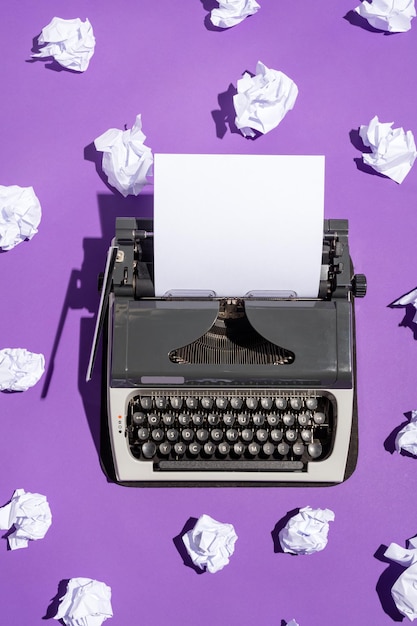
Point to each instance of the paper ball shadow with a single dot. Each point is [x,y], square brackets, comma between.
[277,529]
[385,583]
[408,319]
[179,544]
[389,443]
[209,5]
[357,142]
[53,606]
[357,20]
[225,116]
[49,62]
[7,535]
[96,157]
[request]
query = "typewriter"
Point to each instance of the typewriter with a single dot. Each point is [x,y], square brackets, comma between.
[201,390]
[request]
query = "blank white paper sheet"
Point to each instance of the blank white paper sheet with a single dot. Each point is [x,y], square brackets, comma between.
[233,224]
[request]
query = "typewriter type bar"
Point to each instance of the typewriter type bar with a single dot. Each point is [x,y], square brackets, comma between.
[240,391]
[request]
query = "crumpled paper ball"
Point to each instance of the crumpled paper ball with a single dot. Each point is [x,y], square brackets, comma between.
[393,150]
[393,16]
[408,298]
[210,544]
[30,515]
[232,12]
[406,438]
[127,162]
[404,590]
[307,531]
[20,369]
[263,100]
[20,215]
[70,42]
[86,603]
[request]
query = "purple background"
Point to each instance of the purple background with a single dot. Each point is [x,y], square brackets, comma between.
[159,59]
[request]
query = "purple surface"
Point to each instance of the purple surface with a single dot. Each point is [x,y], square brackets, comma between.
[160,59]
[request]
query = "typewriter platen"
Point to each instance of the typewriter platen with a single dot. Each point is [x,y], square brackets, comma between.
[202,390]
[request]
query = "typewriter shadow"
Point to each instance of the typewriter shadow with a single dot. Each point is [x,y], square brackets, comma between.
[278,527]
[53,607]
[179,544]
[385,583]
[389,443]
[83,293]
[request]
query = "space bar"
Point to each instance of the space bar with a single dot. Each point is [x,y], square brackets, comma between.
[229,466]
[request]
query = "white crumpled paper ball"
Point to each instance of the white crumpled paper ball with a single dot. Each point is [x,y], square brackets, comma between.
[127,162]
[404,590]
[263,100]
[20,369]
[306,532]
[86,603]
[30,515]
[20,215]
[232,12]
[210,544]
[70,42]
[406,438]
[393,16]
[393,150]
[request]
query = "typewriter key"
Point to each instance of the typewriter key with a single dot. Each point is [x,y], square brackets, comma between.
[319,417]
[149,449]
[296,403]
[311,403]
[138,418]
[283,448]
[281,403]
[314,449]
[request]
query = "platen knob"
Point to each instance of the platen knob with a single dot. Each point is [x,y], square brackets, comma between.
[359,285]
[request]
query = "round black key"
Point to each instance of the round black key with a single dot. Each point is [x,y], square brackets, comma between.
[281,403]
[266,403]
[143,434]
[184,419]
[217,434]
[251,403]
[311,403]
[213,419]
[138,418]
[187,434]
[261,435]
[153,419]
[291,435]
[268,448]
[272,419]
[158,434]
[149,449]
[243,419]
[258,419]
[315,449]
[198,419]
[306,435]
[194,448]
[222,403]
[164,448]
[146,402]
[228,419]
[304,419]
[176,402]
[232,434]
[236,403]
[206,402]
[319,418]
[202,434]
[172,434]
[288,419]
[160,402]
[180,448]
[298,448]
[168,419]
[254,448]
[283,448]
[192,403]
[296,403]
[209,448]
[276,435]
[239,448]
[223,448]
[247,434]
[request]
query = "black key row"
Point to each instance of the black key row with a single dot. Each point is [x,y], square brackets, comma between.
[224,403]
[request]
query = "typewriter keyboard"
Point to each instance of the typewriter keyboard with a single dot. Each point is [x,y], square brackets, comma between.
[231,430]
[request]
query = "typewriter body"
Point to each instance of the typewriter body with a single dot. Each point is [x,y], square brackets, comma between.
[254,390]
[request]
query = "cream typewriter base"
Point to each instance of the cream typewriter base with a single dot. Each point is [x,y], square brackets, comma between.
[133,472]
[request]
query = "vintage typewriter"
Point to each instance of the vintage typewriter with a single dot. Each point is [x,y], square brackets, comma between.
[203,390]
